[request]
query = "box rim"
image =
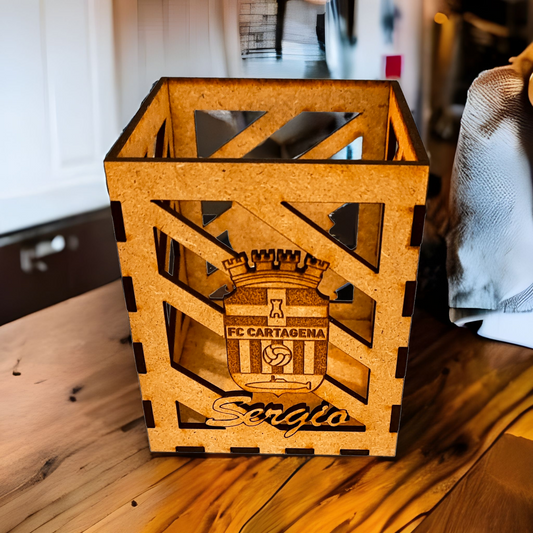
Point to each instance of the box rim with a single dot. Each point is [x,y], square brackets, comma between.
[418,145]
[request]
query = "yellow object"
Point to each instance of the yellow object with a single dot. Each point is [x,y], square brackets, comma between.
[440,18]
[336,386]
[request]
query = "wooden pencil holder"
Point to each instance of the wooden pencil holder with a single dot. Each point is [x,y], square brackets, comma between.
[269,278]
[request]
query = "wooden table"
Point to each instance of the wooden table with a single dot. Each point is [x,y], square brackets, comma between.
[74,452]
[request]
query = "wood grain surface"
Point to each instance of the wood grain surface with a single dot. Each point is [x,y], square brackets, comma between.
[496,495]
[74,452]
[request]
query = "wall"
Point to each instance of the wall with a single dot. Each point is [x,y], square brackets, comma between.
[365,59]
[155,38]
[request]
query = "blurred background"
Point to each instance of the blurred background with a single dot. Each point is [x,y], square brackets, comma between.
[74,72]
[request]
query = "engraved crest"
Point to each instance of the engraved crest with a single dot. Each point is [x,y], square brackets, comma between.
[276,322]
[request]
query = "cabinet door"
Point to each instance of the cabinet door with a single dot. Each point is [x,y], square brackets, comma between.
[58,96]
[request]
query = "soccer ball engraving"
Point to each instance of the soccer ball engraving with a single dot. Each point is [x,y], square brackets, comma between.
[277,355]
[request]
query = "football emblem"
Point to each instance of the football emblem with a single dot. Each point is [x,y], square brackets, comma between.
[276,322]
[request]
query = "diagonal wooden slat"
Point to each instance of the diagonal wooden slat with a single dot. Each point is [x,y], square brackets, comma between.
[337,140]
[193,307]
[305,237]
[395,257]
[185,234]
[352,347]
[255,134]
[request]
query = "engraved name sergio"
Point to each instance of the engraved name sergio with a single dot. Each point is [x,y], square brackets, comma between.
[276,333]
[236,412]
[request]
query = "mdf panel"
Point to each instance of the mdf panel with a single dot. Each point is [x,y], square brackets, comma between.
[233,279]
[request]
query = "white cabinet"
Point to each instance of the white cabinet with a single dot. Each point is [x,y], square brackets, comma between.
[72,75]
[57,107]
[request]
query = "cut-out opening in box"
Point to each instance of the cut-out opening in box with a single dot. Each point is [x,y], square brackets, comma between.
[236,228]
[368,126]
[200,353]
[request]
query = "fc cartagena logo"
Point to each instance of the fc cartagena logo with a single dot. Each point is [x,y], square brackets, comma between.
[276,323]
[277,327]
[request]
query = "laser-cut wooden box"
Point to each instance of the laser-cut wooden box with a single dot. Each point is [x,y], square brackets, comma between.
[307,355]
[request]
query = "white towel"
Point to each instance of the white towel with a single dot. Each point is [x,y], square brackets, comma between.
[490,242]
